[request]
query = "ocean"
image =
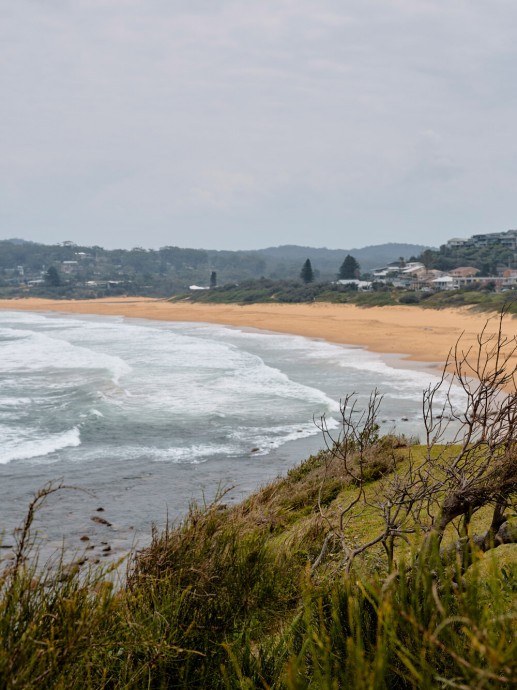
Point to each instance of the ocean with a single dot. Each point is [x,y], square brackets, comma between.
[140,418]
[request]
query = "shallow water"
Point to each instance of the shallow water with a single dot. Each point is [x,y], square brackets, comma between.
[141,417]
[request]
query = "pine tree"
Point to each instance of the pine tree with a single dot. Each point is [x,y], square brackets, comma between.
[52,277]
[349,269]
[213,279]
[307,274]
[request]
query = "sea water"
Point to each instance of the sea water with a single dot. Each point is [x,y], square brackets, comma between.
[138,418]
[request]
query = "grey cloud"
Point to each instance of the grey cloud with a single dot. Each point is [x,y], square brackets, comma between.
[293,119]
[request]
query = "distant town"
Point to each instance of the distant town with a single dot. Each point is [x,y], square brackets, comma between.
[486,262]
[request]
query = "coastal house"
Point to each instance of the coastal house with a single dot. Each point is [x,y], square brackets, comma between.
[69,266]
[509,278]
[426,276]
[506,239]
[361,285]
[412,267]
[396,268]
[380,274]
[464,272]
[445,283]
[452,282]
[458,242]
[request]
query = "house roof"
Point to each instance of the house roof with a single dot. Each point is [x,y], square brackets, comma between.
[443,279]
[464,271]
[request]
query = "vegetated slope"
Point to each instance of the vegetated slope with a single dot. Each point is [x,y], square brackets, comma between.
[327,261]
[94,272]
[228,600]
[277,291]
[488,259]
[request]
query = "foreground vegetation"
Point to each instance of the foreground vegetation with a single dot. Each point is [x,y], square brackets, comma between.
[375,564]
[228,600]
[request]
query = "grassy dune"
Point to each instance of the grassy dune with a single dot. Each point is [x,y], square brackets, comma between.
[244,597]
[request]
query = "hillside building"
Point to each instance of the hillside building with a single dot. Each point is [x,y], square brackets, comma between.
[506,239]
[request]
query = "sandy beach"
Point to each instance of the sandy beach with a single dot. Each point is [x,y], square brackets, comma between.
[421,335]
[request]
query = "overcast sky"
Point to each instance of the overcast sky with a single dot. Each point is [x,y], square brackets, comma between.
[239,125]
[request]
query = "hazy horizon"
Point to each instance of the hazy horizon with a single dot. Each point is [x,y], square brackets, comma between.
[217,249]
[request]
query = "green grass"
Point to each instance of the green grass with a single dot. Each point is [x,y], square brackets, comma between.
[227,600]
[269,291]
[287,292]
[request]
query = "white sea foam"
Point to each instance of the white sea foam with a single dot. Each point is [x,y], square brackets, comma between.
[192,455]
[344,356]
[265,439]
[24,317]
[38,446]
[239,389]
[215,374]
[35,351]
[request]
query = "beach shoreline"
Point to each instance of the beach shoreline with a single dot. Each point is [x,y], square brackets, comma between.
[406,333]
[137,491]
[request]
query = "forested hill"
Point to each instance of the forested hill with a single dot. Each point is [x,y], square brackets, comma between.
[82,271]
[326,260]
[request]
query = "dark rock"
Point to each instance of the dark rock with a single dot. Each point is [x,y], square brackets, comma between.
[100,521]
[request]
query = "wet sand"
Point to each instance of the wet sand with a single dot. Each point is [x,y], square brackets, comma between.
[422,335]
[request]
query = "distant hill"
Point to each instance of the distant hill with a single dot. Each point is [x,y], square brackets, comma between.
[327,261]
[17,241]
[95,272]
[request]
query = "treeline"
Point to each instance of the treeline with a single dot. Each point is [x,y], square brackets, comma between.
[290,291]
[136,271]
[68,270]
[487,259]
[84,271]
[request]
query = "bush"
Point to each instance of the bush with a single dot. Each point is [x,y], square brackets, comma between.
[410,298]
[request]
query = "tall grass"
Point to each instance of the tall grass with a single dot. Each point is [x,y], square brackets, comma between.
[417,630]
[224,600]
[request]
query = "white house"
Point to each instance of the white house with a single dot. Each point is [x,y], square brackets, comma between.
[445,283]
[362,285]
